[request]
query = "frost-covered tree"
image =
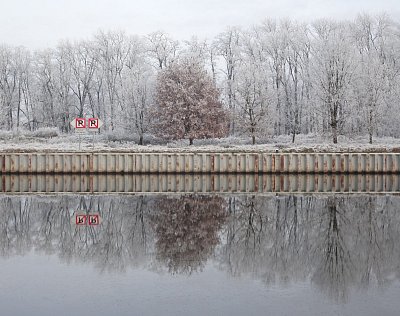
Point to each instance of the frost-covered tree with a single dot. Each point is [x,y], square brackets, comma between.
[333,69]
[114,49]
[227,45]
[188,105]
[138,90]
[161,48]
[252,92]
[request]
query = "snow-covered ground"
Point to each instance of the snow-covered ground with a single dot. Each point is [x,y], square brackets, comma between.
[102,142]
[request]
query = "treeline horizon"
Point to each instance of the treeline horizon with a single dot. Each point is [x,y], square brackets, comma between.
[284,77]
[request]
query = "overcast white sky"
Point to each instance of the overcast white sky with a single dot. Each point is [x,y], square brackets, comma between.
[42,23]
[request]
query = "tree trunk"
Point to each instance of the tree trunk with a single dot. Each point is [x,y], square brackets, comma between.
[370,137]
[253,136]
[190,141]
[293,136]
[334,132]
[140,140]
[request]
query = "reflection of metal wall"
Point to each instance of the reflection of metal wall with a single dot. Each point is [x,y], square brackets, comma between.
[250,183]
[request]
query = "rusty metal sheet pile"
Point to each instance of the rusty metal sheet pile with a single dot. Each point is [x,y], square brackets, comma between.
[79,163]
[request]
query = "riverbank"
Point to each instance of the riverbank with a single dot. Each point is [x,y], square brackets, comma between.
[281,144]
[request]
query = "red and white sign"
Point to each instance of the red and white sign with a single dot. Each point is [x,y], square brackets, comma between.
[82,123]
[80,219]
[93,123]
[92,219]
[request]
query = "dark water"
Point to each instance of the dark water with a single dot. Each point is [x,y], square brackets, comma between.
[201,255]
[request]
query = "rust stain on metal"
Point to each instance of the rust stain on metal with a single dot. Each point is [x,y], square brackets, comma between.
[281,181]
[12,162]
[341,164]
[91,163]
[3,182]
[273,163]
[282,164]
[385,168]
[256,163]
[212,162]
[333,163]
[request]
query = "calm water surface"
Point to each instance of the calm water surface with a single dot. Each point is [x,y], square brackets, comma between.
[191,254]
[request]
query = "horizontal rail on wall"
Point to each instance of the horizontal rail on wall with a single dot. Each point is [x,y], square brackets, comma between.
[80,163]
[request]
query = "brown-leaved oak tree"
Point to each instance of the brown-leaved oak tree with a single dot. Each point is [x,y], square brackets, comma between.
[187,103]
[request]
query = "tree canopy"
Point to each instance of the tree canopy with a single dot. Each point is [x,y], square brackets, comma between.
[188,105]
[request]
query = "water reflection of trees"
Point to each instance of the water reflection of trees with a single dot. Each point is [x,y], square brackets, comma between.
[186,231]
[338,242]
[47,224]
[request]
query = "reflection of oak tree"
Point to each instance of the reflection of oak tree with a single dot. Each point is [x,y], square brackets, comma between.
[187,231]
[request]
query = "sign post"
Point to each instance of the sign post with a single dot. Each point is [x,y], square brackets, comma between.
[93,125]
[81,124]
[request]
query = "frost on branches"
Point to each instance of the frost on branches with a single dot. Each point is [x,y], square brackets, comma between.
[188,105]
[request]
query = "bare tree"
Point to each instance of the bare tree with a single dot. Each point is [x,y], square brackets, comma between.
[114,49]
[138,85]
[333,70]
[161,48]
[227,45]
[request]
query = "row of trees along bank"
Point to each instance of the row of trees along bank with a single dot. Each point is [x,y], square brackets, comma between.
[276,78]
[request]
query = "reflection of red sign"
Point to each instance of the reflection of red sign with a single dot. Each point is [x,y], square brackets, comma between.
[91,219]
[80,220]
[80,123]
[93,123]
[94,220]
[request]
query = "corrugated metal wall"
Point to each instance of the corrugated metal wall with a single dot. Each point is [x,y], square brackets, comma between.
[200,162]
[200,183]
